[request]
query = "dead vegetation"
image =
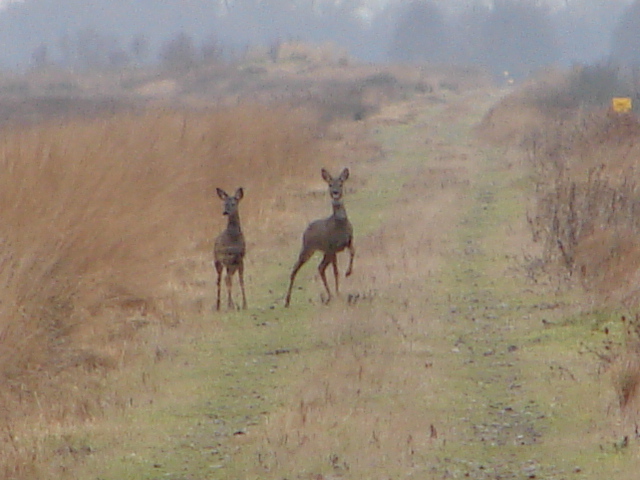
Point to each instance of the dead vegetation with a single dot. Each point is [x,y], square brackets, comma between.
[620,357]
[627,375]
[582,157]
[587,200]
[585,213]
[105,224]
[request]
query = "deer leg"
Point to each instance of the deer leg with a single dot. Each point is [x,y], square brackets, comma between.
[352,253]
[302,259]
[241,275]
[229,281]
[219,268]
[322,269]
[334,263]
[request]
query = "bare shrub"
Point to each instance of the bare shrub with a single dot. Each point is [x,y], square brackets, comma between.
[587,206]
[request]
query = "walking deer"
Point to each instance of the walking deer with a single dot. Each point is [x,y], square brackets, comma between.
[329,235]
[229,248]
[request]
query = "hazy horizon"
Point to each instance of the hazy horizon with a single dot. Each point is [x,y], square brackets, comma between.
[118,32]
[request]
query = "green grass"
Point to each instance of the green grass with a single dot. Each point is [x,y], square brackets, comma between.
[218,386]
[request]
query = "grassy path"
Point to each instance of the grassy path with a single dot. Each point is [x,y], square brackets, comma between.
[439,362]
[522,400]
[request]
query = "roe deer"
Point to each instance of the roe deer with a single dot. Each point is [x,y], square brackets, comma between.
[329,235]
[229,248]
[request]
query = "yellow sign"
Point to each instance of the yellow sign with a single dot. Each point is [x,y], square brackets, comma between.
[621,104]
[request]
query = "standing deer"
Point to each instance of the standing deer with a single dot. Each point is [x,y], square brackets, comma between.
[329,235]
[229,248]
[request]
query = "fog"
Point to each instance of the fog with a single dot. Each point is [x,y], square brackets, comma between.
[516,35]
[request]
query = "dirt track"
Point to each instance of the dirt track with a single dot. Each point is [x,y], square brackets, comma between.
[440,361]
[515,391]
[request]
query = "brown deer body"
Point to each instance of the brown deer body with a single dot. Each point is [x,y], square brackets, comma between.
[330,236]
[229,248]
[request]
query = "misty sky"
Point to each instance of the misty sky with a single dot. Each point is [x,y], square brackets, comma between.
[377,4]
[101,33]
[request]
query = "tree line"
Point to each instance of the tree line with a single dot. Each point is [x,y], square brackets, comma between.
[515,35]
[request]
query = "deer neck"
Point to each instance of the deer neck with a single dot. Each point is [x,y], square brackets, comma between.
[339,212]
[233,225]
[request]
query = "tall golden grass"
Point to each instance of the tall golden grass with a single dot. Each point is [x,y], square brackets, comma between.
[97,219]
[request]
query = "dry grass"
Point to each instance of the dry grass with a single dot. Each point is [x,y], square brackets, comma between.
[625,364]
[359,413]
[106,242]
[103,222]
[366,408]
[363,409]
[509,121]
[556,99]
[583,159]
[587,199]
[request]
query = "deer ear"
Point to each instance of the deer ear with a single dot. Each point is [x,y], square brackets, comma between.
[344,175]
[327,176]
[239,193]
[221,193]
